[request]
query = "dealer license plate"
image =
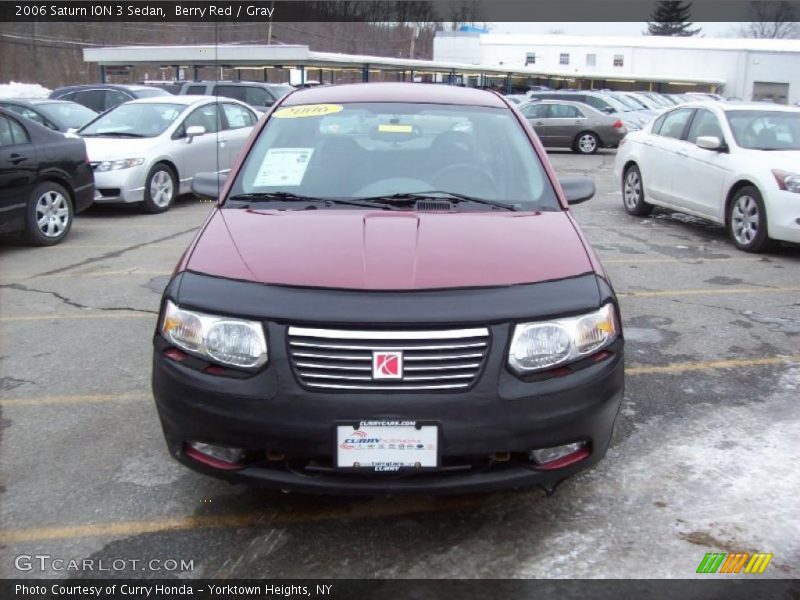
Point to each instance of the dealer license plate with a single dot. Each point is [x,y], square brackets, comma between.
[387,446]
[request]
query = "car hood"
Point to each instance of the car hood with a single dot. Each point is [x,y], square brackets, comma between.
[383,250]
[786,160]
[114,148]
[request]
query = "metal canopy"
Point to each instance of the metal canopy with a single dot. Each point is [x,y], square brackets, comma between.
[267,56]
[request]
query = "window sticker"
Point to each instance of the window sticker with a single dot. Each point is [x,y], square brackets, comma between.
[283,166]
[307,110]
[391,128]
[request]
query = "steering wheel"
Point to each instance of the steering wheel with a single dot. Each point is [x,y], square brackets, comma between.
[470,178]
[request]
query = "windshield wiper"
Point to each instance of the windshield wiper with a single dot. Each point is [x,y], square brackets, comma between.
[268,196]
[438,194]
[114,133]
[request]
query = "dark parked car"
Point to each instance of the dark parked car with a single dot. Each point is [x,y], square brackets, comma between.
[258,95]
[102,96]
[45,179]
[413,309]
[58,115]
[562,124]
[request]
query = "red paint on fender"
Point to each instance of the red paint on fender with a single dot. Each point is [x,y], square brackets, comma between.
[382,250]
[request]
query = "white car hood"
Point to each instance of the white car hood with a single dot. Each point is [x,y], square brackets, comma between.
[115,148]
[786,160]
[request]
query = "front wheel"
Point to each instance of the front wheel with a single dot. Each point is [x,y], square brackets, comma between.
[160,189]
[586,143]
[633,193]
[49,215]
[747,221]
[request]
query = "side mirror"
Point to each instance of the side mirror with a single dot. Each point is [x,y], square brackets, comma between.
[194,131]
[577,189]
[208,185]
[710,142]
[608,110]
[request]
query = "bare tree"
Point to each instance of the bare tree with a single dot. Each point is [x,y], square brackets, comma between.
[772,20]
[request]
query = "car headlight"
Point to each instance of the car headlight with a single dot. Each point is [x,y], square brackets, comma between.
[547,344]
[234,342]
[115,165]
[787,181]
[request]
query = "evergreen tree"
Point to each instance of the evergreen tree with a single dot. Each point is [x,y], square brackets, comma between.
[671,17]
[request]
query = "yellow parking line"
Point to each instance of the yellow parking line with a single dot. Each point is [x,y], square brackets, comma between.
[117,314]
[74,399]
[708,291]
[377,510]
[712,365]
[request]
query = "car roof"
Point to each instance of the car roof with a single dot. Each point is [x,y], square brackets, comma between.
[217,82]
[412,93]
[185,99]
[728,106]
[36,101]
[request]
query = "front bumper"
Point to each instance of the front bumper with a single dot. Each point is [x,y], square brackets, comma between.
[121,186]
[783,216]
[287,430]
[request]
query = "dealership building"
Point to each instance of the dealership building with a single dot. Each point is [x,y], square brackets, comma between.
[747,69]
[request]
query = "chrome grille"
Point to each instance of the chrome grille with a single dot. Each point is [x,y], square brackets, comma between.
[336,359]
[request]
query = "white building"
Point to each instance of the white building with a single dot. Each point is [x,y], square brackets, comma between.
[748,69]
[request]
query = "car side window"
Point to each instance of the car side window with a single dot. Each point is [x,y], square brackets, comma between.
[237,92]
[12,133]
[564,111]
[94,99]
[257,96]
[199,90]
[206,116]
[6,139]
[597,103]
[114,97]
[674,123]
[237,116]
[535,111]
[705,123]
[28,114]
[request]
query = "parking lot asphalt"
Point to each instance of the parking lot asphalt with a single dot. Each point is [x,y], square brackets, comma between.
[704,456]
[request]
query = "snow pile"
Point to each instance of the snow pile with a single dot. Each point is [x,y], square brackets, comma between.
[23,90]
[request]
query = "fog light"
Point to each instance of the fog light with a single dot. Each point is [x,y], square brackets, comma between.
[557,457]
[219,457]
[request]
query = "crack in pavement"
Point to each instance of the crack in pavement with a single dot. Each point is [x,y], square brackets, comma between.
[69,302]
[112,254]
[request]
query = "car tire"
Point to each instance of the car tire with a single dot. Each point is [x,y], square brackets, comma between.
[49,215]
[586,142]
[160,189]
[633,193]
[747,221]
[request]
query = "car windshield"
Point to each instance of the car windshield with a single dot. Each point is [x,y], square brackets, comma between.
[67,114]
[369,150]
[765,129]
[616,104]
[627,102]
[134,120]
[150,92]
[642,103]
[281,90]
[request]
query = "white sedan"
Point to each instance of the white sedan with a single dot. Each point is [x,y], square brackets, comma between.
[149,150]
[734,164]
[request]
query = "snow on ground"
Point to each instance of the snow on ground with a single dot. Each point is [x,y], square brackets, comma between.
[23,90]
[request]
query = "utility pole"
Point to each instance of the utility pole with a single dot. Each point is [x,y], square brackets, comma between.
[269,27]
[414,33]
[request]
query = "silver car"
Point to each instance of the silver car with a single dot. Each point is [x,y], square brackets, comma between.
[148,151]
[574,125]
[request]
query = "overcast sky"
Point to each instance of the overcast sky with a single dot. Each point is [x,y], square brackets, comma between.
[571,28]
